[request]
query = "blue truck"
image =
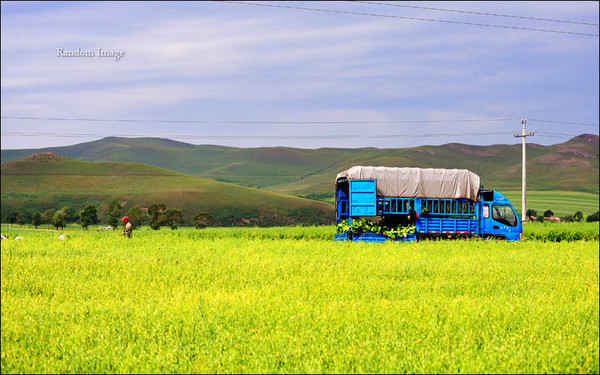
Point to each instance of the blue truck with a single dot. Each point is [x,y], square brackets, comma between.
[440,203]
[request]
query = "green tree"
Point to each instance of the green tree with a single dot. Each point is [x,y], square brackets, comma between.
[548,213]
[203,219]
[36,220]
[156,215]
[59,219]
[21,219]
[113,213]
[12,217]
[593,217]
[136,218]
[578,216]
[173,217]
[568,219]
[88,216]
[69,213]
[47,216]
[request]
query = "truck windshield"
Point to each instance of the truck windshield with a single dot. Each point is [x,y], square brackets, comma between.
[504,215]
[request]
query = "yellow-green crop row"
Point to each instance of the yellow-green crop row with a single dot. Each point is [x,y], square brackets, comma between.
[547,231]
[555,232]
[186,302]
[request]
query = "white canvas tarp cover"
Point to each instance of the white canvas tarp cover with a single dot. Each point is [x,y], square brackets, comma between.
[418,182]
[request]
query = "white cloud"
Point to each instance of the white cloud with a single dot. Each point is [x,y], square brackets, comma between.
[218,61]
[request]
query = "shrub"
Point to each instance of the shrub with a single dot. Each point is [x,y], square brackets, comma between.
[593,217]
[530,213]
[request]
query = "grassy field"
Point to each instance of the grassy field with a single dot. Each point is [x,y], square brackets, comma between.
[560,202]
[547,231]
[39,184]
[290,300]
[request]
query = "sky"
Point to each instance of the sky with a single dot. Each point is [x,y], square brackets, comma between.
[299,74]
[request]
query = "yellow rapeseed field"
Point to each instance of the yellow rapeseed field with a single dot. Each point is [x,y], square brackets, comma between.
[291,300]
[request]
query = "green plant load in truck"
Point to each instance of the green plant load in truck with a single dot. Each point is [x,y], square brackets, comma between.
[376,204]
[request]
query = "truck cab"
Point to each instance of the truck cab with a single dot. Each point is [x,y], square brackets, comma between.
[498,217]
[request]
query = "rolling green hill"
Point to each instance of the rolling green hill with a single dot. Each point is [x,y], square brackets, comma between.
[570,166]
[45,181]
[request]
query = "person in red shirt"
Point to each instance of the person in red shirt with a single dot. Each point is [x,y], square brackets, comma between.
[128,227]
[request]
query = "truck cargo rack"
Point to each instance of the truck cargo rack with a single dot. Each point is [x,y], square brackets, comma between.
[386,205]
[448,207]
[444,226]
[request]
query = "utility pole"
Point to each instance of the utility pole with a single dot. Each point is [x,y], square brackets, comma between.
[523,203]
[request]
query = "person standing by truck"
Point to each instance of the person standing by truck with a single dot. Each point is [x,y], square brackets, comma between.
[128,227]
[412,215]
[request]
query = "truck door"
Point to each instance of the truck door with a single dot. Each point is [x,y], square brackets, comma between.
[504,222]
[363,198]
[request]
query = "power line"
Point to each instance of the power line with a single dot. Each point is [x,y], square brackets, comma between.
[564,122]
[317,122]
[472,12]
[275,137]
[252,122]
[556,135]
[563,134]
[289,137]
[407,18]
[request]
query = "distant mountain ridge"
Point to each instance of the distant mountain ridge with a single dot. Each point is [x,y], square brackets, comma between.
[571,165]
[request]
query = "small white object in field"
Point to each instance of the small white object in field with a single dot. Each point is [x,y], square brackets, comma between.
[2,237]
[61,237]
[19,238]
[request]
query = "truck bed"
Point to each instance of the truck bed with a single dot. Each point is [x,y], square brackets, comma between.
[427,225]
